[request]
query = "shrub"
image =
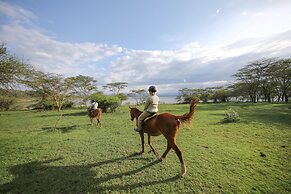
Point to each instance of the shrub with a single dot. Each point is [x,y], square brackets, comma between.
[47,104]
[106,103]
[231,116]
[6,102]
[68,104]
[122,97]
[44,104]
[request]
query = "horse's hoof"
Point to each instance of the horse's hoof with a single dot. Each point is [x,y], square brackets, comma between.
[182,175]
[183,171]
[161,159]
[141,153]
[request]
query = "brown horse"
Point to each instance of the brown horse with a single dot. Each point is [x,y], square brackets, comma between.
[95,113]
[168,125]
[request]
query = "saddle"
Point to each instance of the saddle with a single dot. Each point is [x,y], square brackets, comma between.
[91,111]
[148,118]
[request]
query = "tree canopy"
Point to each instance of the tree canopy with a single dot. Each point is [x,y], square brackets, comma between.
[115,87]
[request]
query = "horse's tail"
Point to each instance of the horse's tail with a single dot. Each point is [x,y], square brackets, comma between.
[188,116]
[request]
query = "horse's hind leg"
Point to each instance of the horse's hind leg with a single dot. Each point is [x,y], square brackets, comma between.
[180,156]
[153,149]
[99,123]
[166,152]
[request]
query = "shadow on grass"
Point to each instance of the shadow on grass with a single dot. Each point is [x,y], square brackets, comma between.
[279,119]
[62,129]
[271,116]
[81,113]
[43,177]
[249,113]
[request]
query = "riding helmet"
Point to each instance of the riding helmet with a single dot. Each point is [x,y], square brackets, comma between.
[152,89]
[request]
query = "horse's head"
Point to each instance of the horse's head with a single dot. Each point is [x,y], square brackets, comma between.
[133,112]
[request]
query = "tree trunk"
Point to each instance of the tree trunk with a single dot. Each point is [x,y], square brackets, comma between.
[269,98]
[286,98]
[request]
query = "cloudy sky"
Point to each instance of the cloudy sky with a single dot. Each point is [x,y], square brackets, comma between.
[169,43]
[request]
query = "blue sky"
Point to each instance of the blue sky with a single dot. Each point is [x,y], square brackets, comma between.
[169,43]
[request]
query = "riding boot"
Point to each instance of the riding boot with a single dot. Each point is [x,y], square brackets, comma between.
[137,129]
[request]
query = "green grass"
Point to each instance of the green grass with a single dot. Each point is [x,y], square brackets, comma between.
[39,154]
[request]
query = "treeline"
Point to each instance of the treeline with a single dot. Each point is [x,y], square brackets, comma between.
[52,91]
[266,80]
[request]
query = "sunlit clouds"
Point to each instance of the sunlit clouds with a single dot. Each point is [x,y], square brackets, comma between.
[246,35]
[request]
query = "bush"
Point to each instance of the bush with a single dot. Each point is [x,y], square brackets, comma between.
[106,103]
[6,102]
[44,104]
[68,104]
[231,116]
[122,97]
[47,104]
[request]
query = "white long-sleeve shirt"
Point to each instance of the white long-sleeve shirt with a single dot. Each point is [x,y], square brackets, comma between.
[94,105]
[151,104]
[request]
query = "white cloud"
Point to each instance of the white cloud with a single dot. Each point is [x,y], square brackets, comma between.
[192,65]
[259,14]
[200,66]
[48,54]
[54,56]
[15,12]
[244,13]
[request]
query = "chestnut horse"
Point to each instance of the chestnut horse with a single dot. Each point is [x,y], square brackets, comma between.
[95,113]
[168,125]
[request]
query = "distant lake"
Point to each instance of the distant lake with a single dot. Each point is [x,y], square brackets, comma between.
[163,100]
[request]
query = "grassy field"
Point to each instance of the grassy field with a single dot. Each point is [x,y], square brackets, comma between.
[41,154]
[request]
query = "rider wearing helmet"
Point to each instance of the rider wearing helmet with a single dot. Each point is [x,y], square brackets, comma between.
[94,105]
[150,107]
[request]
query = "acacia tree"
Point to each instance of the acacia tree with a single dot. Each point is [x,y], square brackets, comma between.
[12,74]
[139,95]
[83,86]
[280,73]
[13,71]
[219,94]
[263,78]
[52,86]
[255,79]
[115,87]
[185,95]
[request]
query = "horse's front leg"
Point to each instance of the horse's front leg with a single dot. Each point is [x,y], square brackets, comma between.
[91,120]
[99,123]
[142,142]
[153,149]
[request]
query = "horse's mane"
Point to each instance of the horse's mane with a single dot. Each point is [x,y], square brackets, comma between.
[136,110]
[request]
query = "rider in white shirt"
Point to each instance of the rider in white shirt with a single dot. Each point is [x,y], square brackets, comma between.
[150,107]
[94,105]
